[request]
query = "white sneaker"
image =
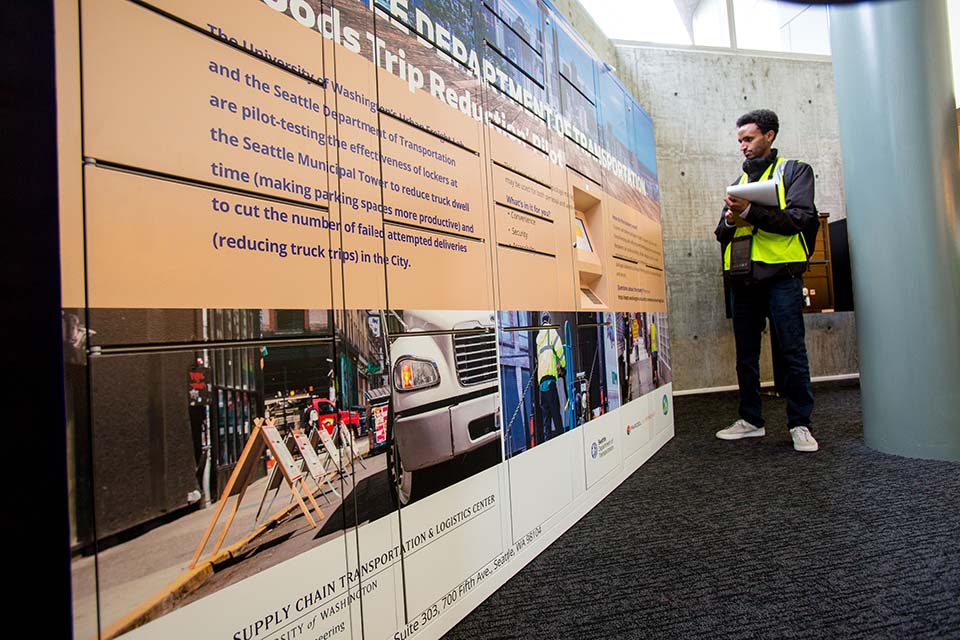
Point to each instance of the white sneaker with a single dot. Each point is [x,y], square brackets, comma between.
[741,429]
[803,440]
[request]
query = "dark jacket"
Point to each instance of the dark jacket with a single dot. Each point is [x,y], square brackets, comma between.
[800,215]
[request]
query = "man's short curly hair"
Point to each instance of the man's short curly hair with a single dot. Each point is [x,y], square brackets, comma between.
[765,120]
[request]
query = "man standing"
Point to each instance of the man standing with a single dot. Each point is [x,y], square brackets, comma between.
[765,251]
[309,418]
[551,363]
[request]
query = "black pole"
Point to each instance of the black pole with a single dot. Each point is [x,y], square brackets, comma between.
[36,528]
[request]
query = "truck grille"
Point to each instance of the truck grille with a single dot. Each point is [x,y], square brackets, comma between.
[476,357]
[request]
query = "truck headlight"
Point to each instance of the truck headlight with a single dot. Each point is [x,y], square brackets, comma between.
[410,374]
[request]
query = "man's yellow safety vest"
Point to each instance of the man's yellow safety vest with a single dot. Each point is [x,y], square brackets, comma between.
[549,353]
[653,337]
[768,247]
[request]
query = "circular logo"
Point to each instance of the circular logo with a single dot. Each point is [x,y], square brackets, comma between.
[594,450]
[666,404]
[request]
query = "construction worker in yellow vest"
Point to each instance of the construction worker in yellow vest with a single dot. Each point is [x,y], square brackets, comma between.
[653,353]
[765,252]
[551,365]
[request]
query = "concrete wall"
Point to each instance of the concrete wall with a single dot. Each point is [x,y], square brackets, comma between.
[695,98]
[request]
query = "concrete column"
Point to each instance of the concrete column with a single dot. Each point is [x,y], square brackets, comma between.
[899,143]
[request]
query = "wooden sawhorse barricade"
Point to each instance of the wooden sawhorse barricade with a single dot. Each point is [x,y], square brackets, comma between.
[309,462]
[264,436]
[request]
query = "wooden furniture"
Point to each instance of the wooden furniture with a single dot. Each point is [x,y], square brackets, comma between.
[818,280]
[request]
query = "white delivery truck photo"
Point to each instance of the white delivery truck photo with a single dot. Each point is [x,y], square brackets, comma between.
[445,401]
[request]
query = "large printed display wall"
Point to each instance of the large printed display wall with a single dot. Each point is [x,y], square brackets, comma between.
[363,307]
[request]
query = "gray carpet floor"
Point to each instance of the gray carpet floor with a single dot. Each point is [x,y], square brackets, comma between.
[750,539]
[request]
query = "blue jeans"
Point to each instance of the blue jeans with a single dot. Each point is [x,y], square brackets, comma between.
[782,302]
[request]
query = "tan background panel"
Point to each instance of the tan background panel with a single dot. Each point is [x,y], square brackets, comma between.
[516,191]
[439,278]
[519,229]
[656,291]
[157,114]
[574,179]
[651,242]
[466,172]
[69,158]
[255,27]
[659,289]
[360,285]
[364,282]
[627,275]
[566,276]
[624,230]
[650,254]
[519,156]
[149,245]
[531,281]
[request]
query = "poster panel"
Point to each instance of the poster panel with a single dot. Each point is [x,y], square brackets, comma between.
[653,281]
[204,110]
[443,449]
[354,126]
[625,231]
[168,432]
[543,377]
[69,167]
[423,55]
[601,447]
[73,300]
[443,374]
[79,474]
[370,505]
[663,409]
[534,250]
[413,160]
[260,30]
[637,419]
[201,241]
[577,64]
[509,150]
[643,353]
[582,161]
[506,40]
[466,515]
[430,183]
[541,485]
[518,138]
[523,16]
[432,270]
[596,382]
[378,549]
[523,194]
